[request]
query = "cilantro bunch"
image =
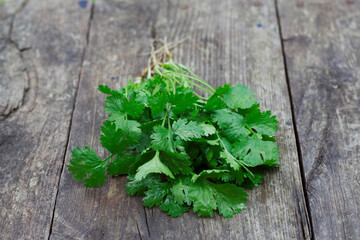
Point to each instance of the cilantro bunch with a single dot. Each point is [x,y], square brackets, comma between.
[180,149]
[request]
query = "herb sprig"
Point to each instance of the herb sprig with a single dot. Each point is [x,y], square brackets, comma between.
[180,149]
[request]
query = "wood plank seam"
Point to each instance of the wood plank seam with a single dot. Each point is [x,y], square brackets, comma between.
[303,179]
[92,10]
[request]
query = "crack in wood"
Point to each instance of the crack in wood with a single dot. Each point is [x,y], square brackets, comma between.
[147,223]
[303,179]
[137,226]
[92,11]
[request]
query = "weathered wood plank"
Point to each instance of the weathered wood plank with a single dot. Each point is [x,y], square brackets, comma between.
[119,32]
[40,56]
[322,43]
[229,41]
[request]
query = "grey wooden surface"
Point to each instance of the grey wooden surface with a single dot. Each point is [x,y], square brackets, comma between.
[41,49]
[323,62]
[301,58]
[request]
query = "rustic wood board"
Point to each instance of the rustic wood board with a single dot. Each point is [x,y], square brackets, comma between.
[41,47]
[229,41]
[322,48]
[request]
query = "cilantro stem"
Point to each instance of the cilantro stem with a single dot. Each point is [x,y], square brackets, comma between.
[251,131]
[107,159]
[242,164]
[165,117]
[196,79]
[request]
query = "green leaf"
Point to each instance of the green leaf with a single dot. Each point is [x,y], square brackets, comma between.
[239,97]
[153,166]
[180,190]
[133,108]
[255,152]
[86,166]
[112,139]
[223,89]
[208,129]
[230,159]
[187,130]
[105,89]
[114,103]
[155,195]
[252,180]
[207,196]
[157,103]
[121,164]
[230,199]
[214,103]
[214,173]
[202,195]
[173,208]
[232,175]
[139,187]
[162,139]
[130,128]
[183,100]
[262,122]
[233,124]
[178,163]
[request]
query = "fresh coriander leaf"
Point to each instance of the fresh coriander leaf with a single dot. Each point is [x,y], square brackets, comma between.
[183,100]
[180,190]
[157,103]
[214,103]
[230,199]
[230,159]
[112,139]
[139,187]
[187,130]
[133,108]
[88,167]
[207,196]
[262,122]
[255,152]
[202,196]
[233,124]
[239,97]
[121,164]
[130,128]
[208,129]
[215,173]
[234,176]
[252,179]
[173,208]
[153,166]
[105,89]
[162,139]
[223,89]
[178,163]
[114,103]
[155,194]
[148,127]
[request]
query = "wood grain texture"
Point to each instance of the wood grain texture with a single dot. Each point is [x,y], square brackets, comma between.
[40,56]
[322,48]
[229,41]
[14,81]
[119,32]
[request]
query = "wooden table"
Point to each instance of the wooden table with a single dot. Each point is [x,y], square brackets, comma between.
[301,57]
